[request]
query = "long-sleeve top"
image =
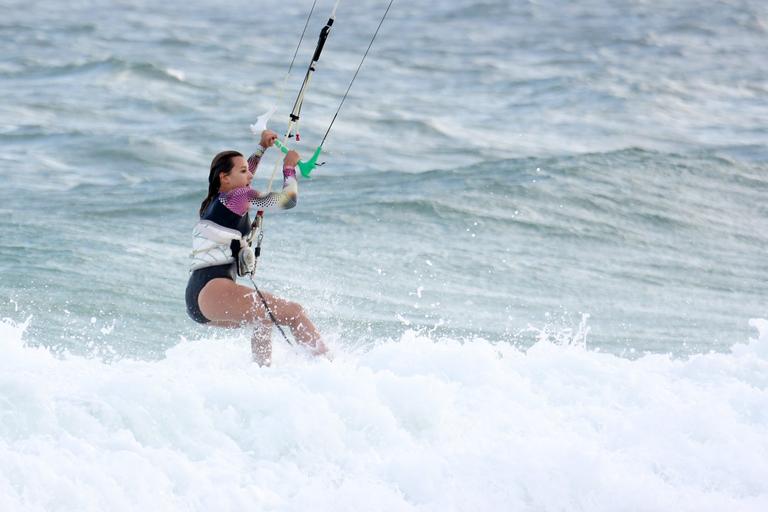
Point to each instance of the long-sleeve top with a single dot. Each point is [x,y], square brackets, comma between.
[241,199]
[216,237]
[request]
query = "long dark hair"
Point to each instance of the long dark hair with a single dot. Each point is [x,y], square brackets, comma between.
[221,163]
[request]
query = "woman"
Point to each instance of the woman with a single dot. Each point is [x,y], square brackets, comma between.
[213,295]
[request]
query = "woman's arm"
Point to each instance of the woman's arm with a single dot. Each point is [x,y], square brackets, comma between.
[240,199]
[283,200]
[254,159]
[268,137]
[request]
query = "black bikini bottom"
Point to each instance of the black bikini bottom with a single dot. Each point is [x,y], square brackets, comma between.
[197,280]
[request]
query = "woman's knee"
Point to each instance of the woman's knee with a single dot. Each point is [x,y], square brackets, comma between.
[292,313]
[299,312]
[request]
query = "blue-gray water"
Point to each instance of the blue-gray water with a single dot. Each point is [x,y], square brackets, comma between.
[537,250]
[497,166]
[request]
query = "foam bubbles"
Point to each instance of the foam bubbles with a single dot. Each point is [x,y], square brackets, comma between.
[417,424]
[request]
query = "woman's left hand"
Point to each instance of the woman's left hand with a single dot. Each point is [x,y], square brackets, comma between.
[268,138]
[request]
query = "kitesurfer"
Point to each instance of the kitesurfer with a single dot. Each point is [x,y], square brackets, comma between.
[213,296]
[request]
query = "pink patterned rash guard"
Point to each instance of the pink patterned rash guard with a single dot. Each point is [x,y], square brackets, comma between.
[240,200]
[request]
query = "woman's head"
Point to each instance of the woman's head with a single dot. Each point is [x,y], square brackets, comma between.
[222,165]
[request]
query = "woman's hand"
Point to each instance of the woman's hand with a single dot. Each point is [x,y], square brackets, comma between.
[291,159]
[268,138]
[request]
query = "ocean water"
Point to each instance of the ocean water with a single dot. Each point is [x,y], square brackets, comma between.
[537,250]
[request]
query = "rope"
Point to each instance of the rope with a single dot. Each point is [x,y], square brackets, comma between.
[356,72]
[258,222]
[306,24]
[282,89]
[299,103]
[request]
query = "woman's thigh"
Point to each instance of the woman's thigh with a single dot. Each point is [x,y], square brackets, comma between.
[286,312]
[228,304]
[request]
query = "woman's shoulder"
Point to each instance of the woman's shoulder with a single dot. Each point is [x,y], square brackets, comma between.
[238,192]
[237,199]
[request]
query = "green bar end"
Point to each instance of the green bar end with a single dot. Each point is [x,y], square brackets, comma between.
[307,167]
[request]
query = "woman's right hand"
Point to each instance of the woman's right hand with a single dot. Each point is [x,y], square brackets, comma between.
[268,137]
[291,159]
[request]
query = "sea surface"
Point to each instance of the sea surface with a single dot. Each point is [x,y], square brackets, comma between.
[538,249]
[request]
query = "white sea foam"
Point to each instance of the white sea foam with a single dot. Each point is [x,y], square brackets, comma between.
[417,424]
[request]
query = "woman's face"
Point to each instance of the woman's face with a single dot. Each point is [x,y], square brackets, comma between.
[238,177]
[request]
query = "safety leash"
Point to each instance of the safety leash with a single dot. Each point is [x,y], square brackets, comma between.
[269,311]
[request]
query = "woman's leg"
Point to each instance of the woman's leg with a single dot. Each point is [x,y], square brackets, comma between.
[228,304]
[261,343]
[293,315]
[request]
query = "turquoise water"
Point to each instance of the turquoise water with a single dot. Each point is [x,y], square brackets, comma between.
[511,176]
